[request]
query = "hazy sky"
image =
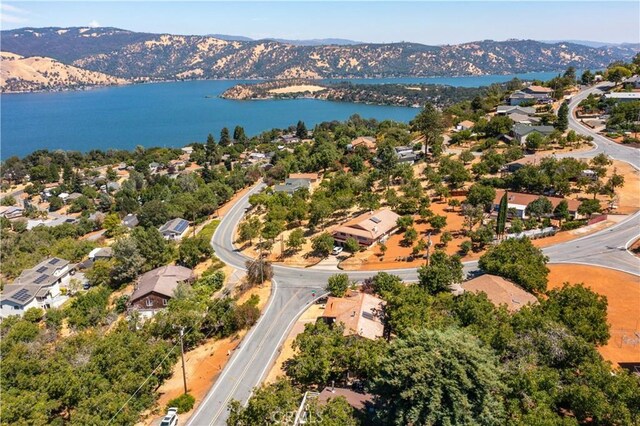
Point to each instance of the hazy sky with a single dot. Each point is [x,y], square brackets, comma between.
[426,22]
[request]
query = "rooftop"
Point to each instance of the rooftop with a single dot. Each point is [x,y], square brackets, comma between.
[623,95]
[354,399]
[359,312]
[525,199]
[177,226]
[500,291]
[163,280]
[371,225]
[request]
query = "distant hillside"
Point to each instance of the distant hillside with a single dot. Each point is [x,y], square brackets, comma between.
[133,55]
[317,41]
[19,74]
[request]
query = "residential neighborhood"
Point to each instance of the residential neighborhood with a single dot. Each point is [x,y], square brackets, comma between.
[475,263]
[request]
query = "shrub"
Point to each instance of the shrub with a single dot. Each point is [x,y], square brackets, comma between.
[183,403]
[572,224]
[121,303]
[465,247]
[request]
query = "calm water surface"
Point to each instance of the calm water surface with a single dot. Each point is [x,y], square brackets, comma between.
[173,114]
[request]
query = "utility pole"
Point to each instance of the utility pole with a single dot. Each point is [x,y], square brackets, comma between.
[184,373]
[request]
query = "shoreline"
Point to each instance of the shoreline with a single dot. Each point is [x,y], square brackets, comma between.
[260,79]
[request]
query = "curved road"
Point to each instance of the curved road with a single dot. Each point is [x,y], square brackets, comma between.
[292,287]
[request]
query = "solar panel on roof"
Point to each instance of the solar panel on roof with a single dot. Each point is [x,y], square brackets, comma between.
[40,279]
[375,220]
[41,269]
[54,261]
[22,295]
[181,226]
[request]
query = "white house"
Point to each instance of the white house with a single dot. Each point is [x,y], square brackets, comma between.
[38,287]
[174,229]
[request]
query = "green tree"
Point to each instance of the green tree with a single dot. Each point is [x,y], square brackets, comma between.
[383,282]
[249,229]
[239,135]
[338,284]
[113,225]
[8,200]
[99,274]
[502,214]
[540,207]
[193,250]
[225,138]
[562,123]
[352,245]
[153,213]
[434,377]
[438,222]
[410,236]
[561,212]
[430,124]
[268,404]
[128,261]
[466,156]
[583,311]
[519,261]
[55,203]
[441,272]
[322,244]
[481,196]
[589,207]
[301,130]
[296,239]
[534,141]
[587,78]
[152,245]
[617,74]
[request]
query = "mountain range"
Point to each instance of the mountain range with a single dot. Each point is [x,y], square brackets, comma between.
[143,56]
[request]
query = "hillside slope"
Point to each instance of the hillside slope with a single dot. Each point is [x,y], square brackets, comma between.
[133,55]
[19,74]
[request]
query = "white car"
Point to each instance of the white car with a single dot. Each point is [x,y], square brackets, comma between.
[171,419]
[336,250]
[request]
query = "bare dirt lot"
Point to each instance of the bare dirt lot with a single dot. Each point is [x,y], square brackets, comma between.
[623,295]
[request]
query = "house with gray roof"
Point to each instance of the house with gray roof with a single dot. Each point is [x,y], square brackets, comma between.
[130,221]
[291,185]
[174,229]
[37,287]
[519,97]
[156,287]
[510,109]
[522,131]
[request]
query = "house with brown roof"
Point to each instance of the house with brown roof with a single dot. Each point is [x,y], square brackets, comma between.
[528,160]
[311,177]
[539,92]
[156,287]
[359,401]
[519,201]
[500,291]
[368,142]
[465,125]
[361,314]
[368,228]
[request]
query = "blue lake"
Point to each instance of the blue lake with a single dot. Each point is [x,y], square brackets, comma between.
[174,114]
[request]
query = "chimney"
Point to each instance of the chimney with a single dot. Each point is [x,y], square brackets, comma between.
[333,386]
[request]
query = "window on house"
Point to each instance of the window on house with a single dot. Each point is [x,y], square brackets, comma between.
[149,302]
[164,302]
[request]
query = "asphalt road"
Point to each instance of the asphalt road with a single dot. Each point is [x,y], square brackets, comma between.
[293,287]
